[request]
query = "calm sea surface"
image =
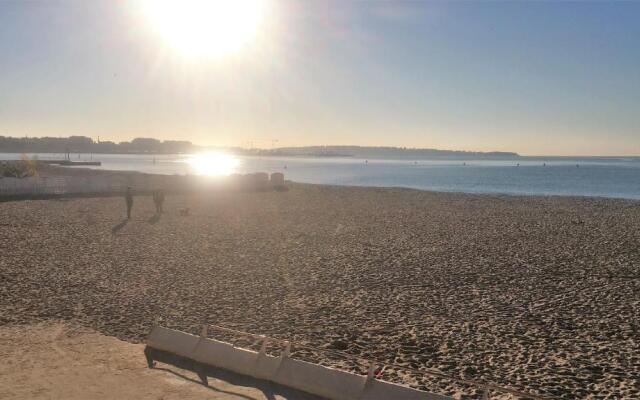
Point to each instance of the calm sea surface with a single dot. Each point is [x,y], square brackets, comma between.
[606,177]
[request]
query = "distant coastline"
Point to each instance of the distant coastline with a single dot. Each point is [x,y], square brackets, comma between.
[84,144]
[386,152]
[148,146]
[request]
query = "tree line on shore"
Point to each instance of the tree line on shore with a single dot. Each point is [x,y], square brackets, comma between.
[84,144]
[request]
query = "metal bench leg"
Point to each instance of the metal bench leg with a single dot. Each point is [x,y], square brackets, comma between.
[148,353]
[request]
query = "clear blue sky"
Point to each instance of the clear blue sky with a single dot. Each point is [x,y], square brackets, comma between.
[532,77]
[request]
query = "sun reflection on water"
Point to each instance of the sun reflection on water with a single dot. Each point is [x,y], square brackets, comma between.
[213,164]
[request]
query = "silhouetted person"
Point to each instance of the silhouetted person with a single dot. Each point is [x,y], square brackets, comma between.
[128,198]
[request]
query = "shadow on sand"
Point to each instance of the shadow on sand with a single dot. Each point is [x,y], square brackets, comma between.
[186,378]
[269,389]
[155,218]
[121,225]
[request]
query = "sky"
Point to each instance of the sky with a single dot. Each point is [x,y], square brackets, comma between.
[537,78]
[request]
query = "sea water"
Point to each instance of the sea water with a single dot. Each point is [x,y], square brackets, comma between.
[585,176]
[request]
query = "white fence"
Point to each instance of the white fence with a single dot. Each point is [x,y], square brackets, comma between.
[311,378]
[109,184]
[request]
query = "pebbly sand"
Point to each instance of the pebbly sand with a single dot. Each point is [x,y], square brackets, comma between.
[537,294]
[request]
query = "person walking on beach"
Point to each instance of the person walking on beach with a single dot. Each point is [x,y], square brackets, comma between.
[128,198]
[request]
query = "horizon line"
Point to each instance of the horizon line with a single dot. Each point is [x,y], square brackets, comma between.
[515,153]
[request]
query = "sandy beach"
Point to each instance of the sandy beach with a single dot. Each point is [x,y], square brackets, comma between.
[53,360]
[540,294]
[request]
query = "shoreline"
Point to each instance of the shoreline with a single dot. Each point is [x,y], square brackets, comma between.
[416,180]
[53,170]
[302,184]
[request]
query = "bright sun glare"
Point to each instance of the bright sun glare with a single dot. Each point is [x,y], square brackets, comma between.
[205,28]
[213,164]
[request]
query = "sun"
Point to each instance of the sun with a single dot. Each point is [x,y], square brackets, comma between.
[205,28]
[213,164]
